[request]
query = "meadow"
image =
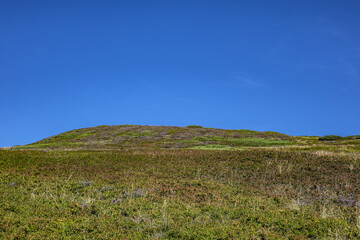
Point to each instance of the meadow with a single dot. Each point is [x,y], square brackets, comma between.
[300,190]
[180,194]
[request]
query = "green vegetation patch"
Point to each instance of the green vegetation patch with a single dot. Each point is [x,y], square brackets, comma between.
[353,137]
[172,132]
[251,142]
[274,133]
[72,135]
[50,145]
[133,134]
[194,126]
[259,142]
[211,138]
[102,126]
[330,138]
[216,147]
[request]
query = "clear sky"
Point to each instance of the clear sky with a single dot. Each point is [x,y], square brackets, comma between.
[287,66]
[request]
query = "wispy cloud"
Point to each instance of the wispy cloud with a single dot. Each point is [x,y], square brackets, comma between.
[251,82]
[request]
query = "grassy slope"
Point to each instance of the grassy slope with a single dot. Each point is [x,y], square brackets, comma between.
[125,136]
[164,137]
[144,187]
[181,194]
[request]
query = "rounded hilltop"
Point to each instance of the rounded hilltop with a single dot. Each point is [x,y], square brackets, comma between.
[144,136]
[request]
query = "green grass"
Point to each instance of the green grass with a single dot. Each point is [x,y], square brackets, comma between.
[249,142]
[178,194]
[72,135]
[194,126]
[259,142]
[215,147]
[133,134]
[211,138]
[172,132]
[246,131]
[50,145]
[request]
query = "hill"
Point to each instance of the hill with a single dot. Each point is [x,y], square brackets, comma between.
[127,136]
[136,136]
[149,182]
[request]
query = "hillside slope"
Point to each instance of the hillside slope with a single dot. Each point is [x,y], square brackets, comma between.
[136,136]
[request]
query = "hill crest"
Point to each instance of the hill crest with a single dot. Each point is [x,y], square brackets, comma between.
[144,136]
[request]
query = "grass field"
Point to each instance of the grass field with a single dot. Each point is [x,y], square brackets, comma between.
[215,186]
[178,194]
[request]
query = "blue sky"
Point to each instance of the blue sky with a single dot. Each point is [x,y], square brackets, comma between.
[287,66]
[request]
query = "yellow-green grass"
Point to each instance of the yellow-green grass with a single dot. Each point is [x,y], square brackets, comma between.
[178,194]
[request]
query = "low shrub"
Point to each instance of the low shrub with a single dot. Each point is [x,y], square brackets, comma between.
[330,138]
[194,126]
